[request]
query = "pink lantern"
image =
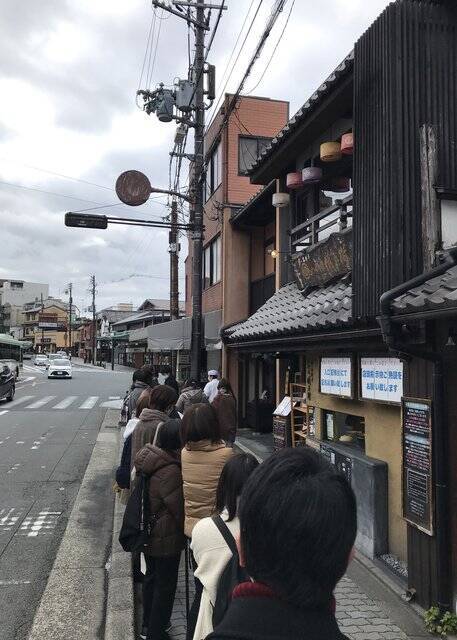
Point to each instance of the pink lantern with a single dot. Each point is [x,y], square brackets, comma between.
[347,144]
[294,180]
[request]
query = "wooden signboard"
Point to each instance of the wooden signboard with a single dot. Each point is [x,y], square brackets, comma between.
[417,465]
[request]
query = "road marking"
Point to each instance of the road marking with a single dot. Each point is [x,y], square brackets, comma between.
[23,381]
[44,523]
[89,403]
[40,403]
[8,519]
[114,398]
[65,403]
[2,413]
[9,583]
[14,468]
[20,401]
[113,404]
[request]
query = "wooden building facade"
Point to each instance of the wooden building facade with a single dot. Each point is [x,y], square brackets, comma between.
[366,290]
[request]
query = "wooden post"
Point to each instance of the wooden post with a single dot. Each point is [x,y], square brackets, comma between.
[431,211]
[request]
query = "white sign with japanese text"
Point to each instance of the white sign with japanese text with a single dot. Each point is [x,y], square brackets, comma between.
[336,376]
[381,379]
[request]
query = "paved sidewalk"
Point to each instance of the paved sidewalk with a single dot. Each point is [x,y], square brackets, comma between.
[117,367]
[360,617]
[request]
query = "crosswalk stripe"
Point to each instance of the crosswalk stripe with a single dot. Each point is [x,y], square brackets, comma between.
[65,403]
[3,412]
[20,401]
[89,403]
[40,403]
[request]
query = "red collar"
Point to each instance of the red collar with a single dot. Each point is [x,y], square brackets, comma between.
[261,590]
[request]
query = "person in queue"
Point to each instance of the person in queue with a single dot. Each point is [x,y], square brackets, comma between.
[209,548]
[225,406]
[162,465]
[161,401]
[210,389]
[203,457]
[190,394]
[293,501]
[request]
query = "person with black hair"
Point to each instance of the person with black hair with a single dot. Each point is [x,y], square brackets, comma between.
[191,394]
[210,550]
[298,523]
[225,407]
[161,463]
[160,404]
[203,458]
[142,380]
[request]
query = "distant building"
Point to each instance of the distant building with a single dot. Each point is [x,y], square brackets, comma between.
[19,292]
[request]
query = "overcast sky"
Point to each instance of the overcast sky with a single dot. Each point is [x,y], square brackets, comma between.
[70,70]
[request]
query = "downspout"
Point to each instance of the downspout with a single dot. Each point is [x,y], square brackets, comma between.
[440,458]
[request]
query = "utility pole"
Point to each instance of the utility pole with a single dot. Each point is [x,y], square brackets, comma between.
[94,320]
[174,266]
[196,211]
[70,293]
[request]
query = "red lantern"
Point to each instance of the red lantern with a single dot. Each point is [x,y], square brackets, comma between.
[347,144]
[294,180]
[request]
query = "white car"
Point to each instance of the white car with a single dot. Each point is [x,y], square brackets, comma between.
[41,360]
[60,368]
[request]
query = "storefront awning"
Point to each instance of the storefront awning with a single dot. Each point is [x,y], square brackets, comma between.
[291,312]
[176,334]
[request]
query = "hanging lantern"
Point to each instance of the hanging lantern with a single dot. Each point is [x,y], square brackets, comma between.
[330,151]
[280,200]
[312,175]
[294,180]
[347,144]
[338,185]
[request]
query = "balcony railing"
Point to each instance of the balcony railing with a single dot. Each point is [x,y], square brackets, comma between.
[261,291]
[335,218]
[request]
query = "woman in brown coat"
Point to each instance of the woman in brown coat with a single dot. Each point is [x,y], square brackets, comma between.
[161,463]
[203,458]
[161,401]
[225,406]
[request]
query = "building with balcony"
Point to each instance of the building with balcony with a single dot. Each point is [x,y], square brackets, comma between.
[360,331]
[46,325]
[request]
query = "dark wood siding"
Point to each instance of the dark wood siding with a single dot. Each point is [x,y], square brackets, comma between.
[405,75]
[422,574]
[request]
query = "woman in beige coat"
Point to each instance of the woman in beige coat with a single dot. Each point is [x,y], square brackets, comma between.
[202,460]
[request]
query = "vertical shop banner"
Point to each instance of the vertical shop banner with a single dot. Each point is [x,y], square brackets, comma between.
[336,377]
[417,463]
[381,379]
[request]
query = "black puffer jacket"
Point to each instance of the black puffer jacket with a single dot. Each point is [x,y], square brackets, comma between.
[165,499]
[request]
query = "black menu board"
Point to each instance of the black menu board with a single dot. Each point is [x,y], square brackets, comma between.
[417,463]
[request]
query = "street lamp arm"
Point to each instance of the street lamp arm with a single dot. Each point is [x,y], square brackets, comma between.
[177,194]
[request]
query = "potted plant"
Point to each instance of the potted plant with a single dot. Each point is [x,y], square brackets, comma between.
[441,624]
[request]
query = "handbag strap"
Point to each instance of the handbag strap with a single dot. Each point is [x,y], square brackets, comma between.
[226,534]
[157,433]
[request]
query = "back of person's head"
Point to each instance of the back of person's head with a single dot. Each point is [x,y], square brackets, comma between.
[166,370]
[143,402]
[169,438]
[162,397]
[298,524]
[213,374]
[190,383]
[140,375]
[225,386]
[148,374]
[234,475]
[200,423]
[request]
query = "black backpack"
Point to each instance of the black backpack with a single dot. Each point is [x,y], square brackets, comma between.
[231,576]
[137,524]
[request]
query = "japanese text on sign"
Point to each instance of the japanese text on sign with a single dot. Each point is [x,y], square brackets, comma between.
[336,376]
[381,379]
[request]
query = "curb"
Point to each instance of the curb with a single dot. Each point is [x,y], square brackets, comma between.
[120,608]
[73,604]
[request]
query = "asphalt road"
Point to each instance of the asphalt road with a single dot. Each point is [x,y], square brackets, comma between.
[46,439]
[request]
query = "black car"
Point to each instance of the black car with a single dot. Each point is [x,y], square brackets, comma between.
[7,383]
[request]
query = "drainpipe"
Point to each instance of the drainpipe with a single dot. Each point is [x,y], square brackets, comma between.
[440,460]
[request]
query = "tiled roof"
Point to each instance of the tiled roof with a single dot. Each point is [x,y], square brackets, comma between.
[289,311]
[325,88]
[435,294]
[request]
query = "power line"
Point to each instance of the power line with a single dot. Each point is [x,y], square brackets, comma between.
[274,50]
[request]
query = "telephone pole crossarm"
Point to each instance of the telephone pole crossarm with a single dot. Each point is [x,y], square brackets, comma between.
[197,23]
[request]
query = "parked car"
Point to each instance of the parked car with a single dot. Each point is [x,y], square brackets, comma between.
[7,383]
[60,368]
[40,360]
